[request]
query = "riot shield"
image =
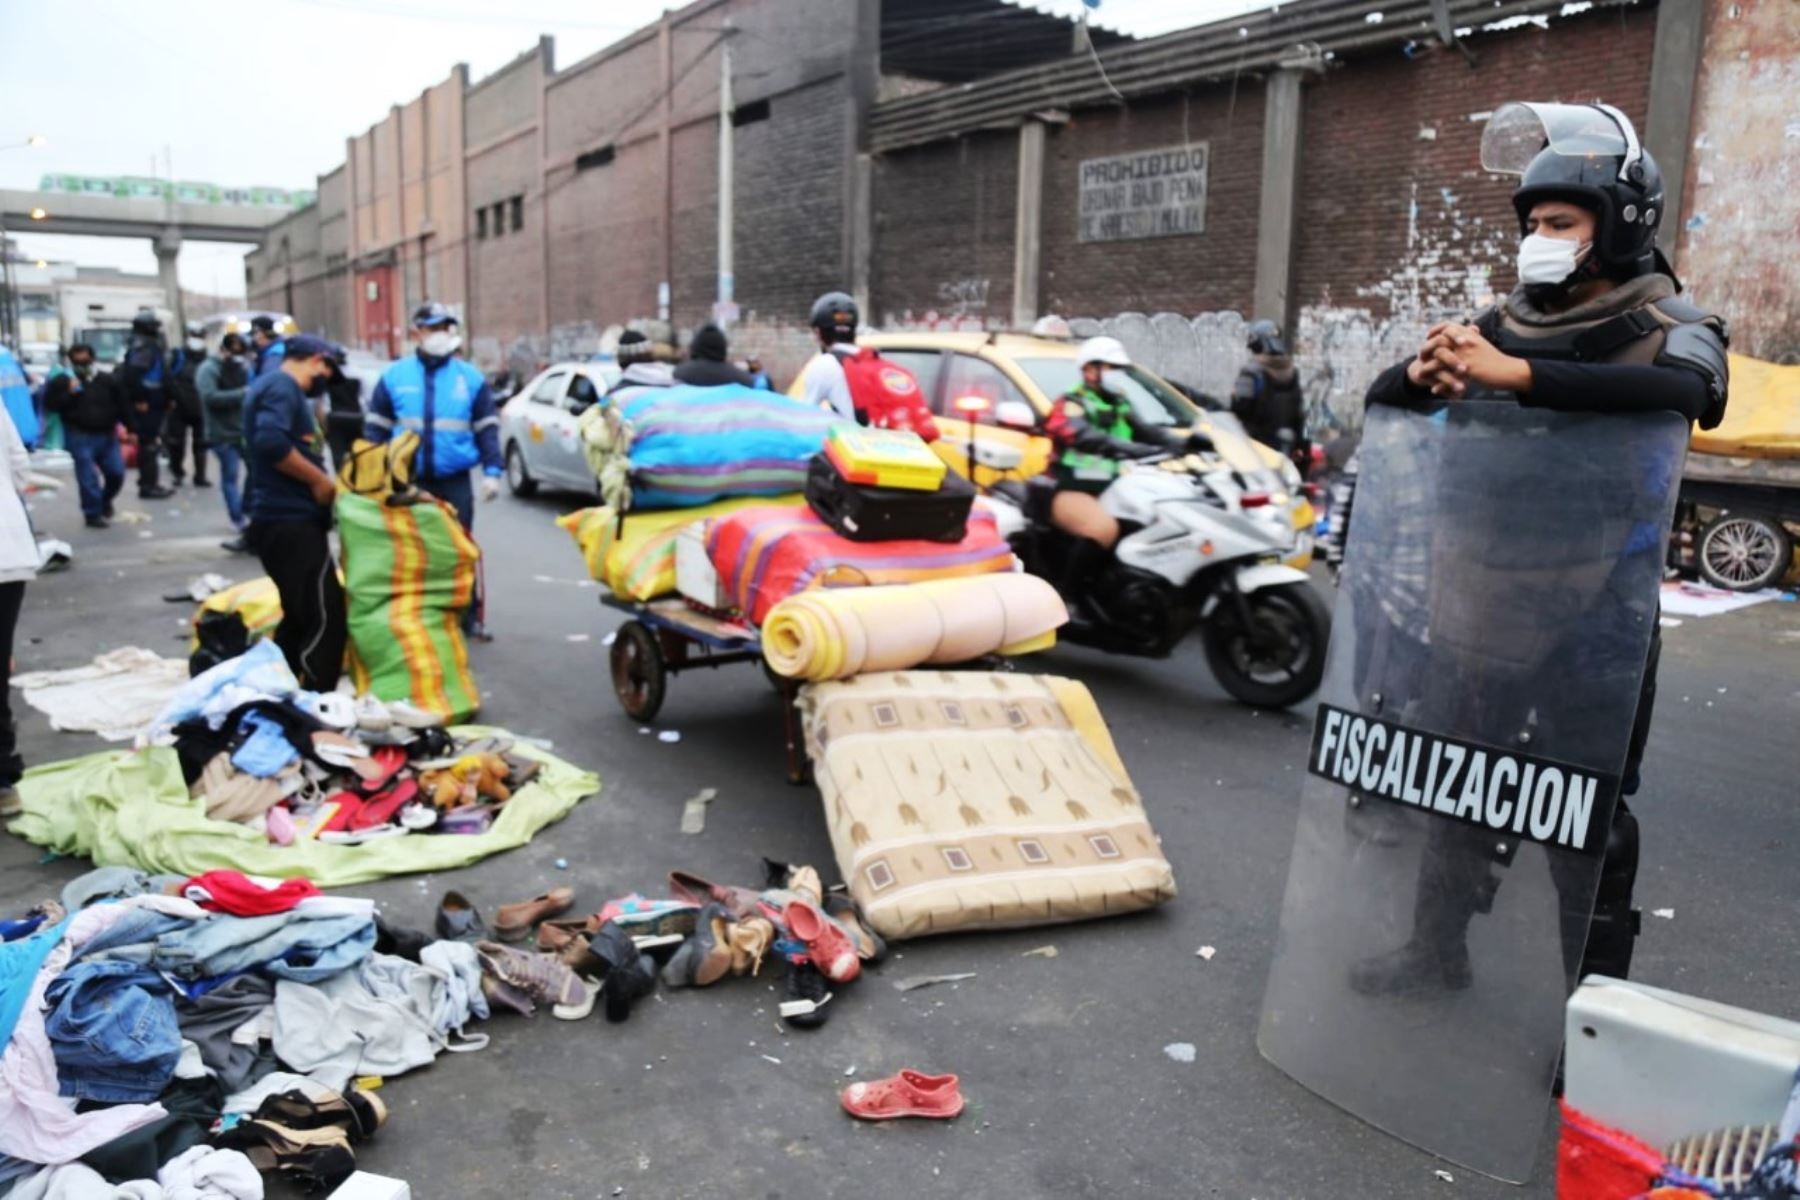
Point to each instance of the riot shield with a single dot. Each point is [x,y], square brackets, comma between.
[1493,620]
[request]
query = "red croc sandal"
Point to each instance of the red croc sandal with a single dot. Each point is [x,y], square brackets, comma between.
[829,947]
[907,1093]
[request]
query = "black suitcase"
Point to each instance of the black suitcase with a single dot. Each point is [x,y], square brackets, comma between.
[877,514]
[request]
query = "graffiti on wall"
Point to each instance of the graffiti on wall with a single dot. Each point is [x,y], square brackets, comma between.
[1744,201]
[1447,271]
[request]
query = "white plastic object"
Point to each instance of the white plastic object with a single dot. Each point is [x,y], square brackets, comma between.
[695,576]
[366,1186]
[1663,1066]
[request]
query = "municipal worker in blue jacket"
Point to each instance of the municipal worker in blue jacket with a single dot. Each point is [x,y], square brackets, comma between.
[447,402]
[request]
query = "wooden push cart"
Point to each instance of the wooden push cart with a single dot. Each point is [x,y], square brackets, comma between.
[669,636]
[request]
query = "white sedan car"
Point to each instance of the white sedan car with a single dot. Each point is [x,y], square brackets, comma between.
[538,431]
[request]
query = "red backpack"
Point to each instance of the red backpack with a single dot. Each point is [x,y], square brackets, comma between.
[886,395]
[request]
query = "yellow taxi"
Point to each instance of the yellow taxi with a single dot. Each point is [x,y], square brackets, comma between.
[967,376]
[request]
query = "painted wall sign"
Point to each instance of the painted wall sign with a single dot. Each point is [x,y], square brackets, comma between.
[1149,194]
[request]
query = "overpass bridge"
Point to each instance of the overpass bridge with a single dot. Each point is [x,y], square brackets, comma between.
[164,223]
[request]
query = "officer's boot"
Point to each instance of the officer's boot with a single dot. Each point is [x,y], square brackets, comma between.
[1615,925]
[1452,889]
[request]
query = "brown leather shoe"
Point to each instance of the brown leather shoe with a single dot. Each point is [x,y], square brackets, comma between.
[552,936]
[513,922]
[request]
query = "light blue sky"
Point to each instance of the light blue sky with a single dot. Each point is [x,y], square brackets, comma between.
[264,93]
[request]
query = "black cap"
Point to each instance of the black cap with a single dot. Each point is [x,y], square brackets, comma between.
[428,316]
[305,345]
[263,323]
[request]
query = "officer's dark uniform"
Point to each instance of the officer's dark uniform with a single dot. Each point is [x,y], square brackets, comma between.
[1638,348]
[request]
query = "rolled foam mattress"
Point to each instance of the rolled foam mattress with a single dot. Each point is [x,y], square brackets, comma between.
[839,632]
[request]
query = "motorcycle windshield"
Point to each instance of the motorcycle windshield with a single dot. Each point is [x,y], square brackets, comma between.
[1233,446]
[1497,601]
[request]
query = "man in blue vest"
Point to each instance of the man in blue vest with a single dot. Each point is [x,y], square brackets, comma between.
[447,402]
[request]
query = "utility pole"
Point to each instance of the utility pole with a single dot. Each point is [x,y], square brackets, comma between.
[725,305]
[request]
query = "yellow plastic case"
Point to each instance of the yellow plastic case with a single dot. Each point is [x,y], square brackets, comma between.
[888,458]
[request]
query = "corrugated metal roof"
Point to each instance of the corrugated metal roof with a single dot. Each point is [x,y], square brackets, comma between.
[1206,53]
[954,41]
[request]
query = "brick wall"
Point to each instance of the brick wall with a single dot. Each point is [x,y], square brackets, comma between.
[1408,224]
[1210,270]
[944,218]
[696,261]
[790,202]
[1743,187]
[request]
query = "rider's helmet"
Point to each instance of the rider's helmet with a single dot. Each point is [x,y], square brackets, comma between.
[835,316]
[1589,155]
[1106,350]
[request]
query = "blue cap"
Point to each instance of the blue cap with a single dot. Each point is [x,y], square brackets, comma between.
[428,315]
[305,345]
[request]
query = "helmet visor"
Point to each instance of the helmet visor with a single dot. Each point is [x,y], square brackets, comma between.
[1517,132]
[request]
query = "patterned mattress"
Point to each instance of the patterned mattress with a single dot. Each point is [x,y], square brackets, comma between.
[966,800]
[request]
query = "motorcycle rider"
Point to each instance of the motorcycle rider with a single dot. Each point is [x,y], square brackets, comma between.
[1094,429]
[144,373]
[1596,324]
[1267,396]
[186,415]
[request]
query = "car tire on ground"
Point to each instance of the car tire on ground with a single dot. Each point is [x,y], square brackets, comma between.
[1744,552]
[518,479]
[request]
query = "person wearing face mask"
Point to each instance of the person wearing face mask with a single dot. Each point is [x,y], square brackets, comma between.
[447,402]
[92,406]
[289,505]
[186,414]
[1596,324]
[222,381]
[266,344]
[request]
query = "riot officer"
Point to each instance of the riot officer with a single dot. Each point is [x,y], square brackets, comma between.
[1596,324]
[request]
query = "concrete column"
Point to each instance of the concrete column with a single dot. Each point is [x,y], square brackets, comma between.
[1280,190]
[862,75]
[168,247]
[1668,133]
[665,299]
[862,232]
[1028,225]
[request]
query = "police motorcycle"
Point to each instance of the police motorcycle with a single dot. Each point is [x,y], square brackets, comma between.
[1202,539]
[1459,850]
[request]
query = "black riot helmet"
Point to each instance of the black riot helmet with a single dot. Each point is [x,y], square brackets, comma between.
[146,323]
[1589,155]
[1264,337]
[834,315]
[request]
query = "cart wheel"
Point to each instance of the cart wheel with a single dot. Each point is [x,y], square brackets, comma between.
[637,671]
[1744,552]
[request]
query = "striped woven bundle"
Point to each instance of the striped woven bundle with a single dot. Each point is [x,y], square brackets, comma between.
[409,575]
[693,445]
[769,552]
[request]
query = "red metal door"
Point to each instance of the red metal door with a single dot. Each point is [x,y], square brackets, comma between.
[375,310]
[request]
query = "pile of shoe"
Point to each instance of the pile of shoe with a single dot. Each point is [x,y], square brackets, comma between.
[702,933]
[345,769]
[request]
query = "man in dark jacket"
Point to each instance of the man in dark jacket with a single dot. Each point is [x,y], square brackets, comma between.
[92,407]
[145,375]
[186,415]
[289,504]
[1267,397]
[706,365]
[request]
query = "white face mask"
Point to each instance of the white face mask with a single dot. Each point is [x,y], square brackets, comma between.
[440,343]
[196,343]
[1549,260]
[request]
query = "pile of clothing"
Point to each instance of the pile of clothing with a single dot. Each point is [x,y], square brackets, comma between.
[260,751]
[184,1036]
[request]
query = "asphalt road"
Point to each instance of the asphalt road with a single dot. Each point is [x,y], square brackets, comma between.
[1071,1092]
